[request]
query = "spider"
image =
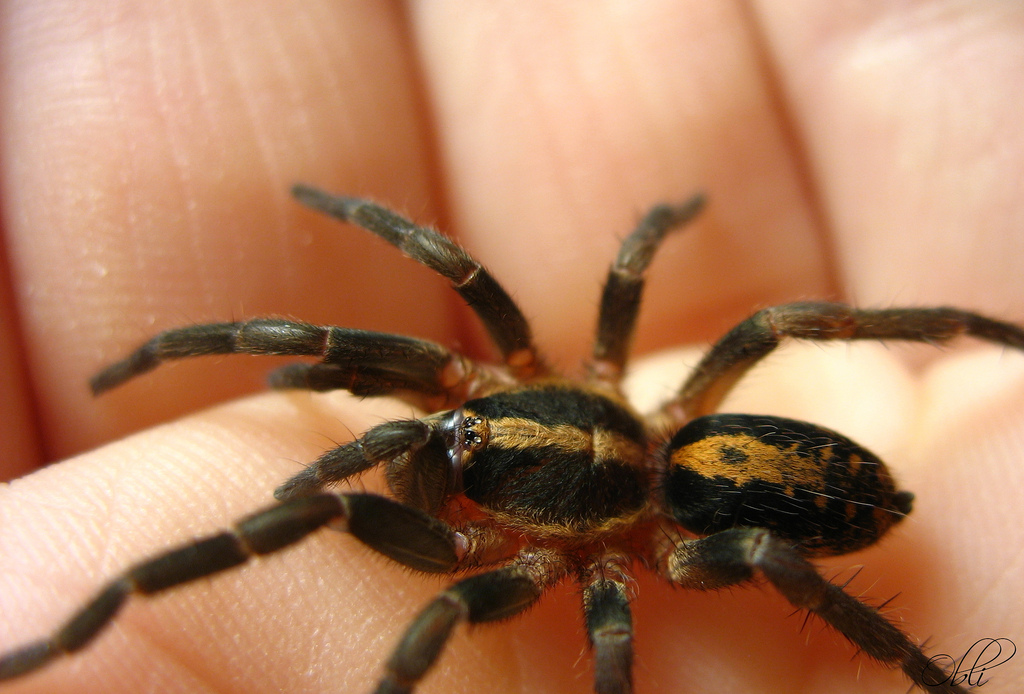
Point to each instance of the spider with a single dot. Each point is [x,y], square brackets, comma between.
[519,478]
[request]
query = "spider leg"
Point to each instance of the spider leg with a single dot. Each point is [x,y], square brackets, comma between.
[364,382]
[623,290]
[757,336]
[487,597]
[406,535]
[499,313]
[732,556]
[427,468]
[609,626]
[361,361]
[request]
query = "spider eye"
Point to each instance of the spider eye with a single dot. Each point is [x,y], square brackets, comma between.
[465,434]
[472,439]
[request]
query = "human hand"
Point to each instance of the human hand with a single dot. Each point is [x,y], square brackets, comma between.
[873,158]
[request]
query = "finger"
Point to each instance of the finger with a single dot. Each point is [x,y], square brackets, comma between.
[147,168]
[907,116]
[560,125]
[905,111]
[20,446]
[326,611]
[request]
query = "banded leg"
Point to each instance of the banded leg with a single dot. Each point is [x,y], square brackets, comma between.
[732,556]
[757,336]
[609,626]
[486,597]
[499,313]
[623,290]
[408,536]
[427,473]
[365,362]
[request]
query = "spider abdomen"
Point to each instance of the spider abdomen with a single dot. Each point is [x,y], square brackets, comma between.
[805,483]
[556,459]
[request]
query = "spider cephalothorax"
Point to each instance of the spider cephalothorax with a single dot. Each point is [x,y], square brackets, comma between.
[524,478]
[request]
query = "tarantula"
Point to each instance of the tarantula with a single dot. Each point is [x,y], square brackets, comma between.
[523,478]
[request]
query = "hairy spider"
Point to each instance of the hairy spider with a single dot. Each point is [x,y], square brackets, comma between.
[532,479]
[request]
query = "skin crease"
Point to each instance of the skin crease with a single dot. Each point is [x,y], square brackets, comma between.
[871,155]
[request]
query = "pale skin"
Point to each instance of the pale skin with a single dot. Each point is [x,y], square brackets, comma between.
[874,158]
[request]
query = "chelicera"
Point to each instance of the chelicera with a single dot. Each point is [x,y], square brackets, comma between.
[519,478]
